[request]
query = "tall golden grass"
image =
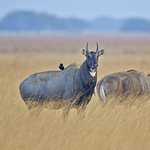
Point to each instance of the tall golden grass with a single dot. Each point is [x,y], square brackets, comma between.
[117,126]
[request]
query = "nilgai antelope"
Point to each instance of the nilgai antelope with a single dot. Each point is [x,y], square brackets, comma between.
[123,84]
[72,87]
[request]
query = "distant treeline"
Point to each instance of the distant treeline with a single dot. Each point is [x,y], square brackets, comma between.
[30,21]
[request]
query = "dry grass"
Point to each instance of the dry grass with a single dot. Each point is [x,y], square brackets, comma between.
[114,127]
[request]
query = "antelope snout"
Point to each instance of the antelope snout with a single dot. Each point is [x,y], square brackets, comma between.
[94,66]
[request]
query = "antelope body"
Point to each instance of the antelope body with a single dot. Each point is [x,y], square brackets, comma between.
[123,84]
[72,87]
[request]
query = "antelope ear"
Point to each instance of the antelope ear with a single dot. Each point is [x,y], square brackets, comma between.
[83,51]
[148,74]
[101,52]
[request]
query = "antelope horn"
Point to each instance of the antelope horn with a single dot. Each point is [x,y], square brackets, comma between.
[87,48]
[97,48]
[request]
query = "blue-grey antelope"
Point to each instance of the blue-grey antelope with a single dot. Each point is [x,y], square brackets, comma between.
[72,87]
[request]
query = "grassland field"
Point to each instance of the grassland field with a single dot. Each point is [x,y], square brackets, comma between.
[117,126]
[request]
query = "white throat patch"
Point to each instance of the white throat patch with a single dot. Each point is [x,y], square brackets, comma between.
[92,73]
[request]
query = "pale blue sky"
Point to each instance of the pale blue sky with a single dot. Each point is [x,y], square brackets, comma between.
[86,9]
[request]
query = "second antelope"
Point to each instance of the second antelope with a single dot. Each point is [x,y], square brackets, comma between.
[130,83]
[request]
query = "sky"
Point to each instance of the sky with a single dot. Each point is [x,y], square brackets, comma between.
[83,9]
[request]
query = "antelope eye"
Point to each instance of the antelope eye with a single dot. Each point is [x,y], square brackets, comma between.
[88,56]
